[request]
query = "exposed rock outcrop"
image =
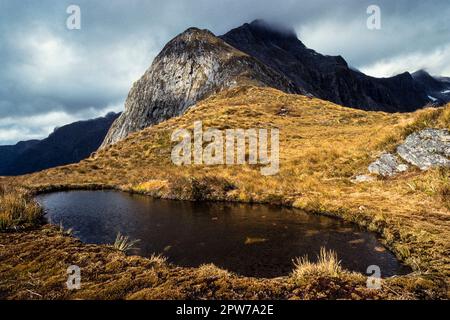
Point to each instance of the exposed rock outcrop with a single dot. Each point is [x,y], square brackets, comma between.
[424,149]
[329,77]
[196,64]
[192,66]
[427,148]
[387,165]
[362,178]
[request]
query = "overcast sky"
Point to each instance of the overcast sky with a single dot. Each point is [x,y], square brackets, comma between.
[52,76]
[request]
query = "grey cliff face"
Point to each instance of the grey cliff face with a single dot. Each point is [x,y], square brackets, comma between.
[330,78]
[192,66]
[197,64]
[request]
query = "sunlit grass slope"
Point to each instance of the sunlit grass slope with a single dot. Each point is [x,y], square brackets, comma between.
[322,146]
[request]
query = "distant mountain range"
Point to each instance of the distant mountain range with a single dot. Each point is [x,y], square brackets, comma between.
[197,64]
[68,144]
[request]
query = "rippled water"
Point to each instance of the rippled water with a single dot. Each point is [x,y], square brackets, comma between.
[251,240]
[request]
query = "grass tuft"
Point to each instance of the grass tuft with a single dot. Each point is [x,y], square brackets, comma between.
[18,209]
[212,271]
[327,265]
[64,231]
[124,243]
[158,259]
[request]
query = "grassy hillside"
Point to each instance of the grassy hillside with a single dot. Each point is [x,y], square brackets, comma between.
[322,146]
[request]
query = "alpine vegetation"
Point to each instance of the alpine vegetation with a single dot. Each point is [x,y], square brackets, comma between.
[234,141]
[123,243]
[327,264]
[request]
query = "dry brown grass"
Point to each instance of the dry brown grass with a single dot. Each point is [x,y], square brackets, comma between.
[158,259]
[322,145]
[17,208]
[327,265]
[28,272]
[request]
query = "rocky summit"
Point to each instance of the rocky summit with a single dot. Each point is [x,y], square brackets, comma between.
[197,64]
[191,67]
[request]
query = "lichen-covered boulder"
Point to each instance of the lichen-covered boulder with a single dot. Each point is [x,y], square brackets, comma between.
[427,148]
[387,165]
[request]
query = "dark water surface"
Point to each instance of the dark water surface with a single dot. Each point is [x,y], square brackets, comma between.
[251,240]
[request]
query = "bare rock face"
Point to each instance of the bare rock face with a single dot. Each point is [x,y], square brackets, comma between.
[424,149]
[427,148]
[330,77]
[197,64]
[387,165]
[192,66]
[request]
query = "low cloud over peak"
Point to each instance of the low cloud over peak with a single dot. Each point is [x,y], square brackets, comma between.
[51,75]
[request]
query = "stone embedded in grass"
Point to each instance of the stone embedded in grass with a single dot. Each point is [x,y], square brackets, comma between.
[387,165]
[424,149]
[362,178]
[427,148]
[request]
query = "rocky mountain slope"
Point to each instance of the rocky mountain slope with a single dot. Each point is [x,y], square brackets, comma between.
[331,78]
[196,64]
[437,89]
[192,66]
[68,144]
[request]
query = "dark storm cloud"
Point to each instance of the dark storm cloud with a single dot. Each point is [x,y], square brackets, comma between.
[51,75]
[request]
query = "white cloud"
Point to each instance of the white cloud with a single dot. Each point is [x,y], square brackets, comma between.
[408,40]
[54,65]
[435,62]
[56,82]
[59,76]
[13,129]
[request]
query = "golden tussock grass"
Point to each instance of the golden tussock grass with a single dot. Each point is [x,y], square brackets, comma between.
[18,209]
[327,265]
[322,146]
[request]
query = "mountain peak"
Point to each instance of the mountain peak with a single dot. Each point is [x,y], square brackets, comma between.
[196,32]
[265,32]
[421,74]
[197,64]
[192,66]
[191,36]
[274,28]
[430,82]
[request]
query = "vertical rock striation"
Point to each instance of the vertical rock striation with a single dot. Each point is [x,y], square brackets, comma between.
[192,66]
[196,64]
